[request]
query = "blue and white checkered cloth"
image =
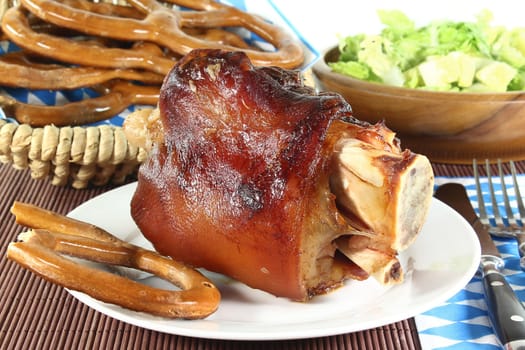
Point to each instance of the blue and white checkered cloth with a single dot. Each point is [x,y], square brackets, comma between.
[462,321]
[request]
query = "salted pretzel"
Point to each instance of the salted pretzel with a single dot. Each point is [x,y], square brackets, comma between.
[115,97]
[42,251]
[164,26]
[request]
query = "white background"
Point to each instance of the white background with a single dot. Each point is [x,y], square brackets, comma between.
[320,22]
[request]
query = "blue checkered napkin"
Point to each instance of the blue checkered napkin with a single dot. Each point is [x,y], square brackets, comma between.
[462,321]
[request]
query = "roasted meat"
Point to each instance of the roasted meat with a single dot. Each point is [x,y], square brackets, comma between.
[256,176]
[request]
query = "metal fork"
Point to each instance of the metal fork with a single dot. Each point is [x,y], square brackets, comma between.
[508,225]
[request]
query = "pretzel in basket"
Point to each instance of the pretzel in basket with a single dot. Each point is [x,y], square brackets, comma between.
[140,42]
[94,53]
[19,69]
[164,26]
[41,250]
[115,97]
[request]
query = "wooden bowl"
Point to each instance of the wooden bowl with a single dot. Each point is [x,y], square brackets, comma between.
[451,127]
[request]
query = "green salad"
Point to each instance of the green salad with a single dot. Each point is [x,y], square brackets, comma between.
[443,55]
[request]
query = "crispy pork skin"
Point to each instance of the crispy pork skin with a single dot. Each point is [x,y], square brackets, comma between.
[253,175]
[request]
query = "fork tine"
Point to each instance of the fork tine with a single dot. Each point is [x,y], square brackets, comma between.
[492,191]
[519,199]
[520,233]
[511,228]
[479,193]
[506,201]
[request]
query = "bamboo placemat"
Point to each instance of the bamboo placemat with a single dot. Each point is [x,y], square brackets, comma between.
[36,314]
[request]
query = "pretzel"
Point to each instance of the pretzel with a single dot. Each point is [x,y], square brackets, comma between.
[164,26]
[16,26]
[19,70]
[41,250]
[105,8]
[116,97]
[220,36]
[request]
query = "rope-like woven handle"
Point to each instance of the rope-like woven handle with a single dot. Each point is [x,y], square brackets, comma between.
[70,155]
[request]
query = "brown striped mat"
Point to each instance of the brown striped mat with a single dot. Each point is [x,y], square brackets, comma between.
[35,314]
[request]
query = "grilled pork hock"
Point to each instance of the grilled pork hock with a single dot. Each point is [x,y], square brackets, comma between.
[254,175]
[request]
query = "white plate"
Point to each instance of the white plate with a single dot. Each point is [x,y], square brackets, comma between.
[441,261]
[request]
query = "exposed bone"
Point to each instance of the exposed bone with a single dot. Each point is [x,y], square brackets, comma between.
[383,189]
[380,264]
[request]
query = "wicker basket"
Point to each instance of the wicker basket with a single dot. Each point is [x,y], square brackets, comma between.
[76,156]
[69,156]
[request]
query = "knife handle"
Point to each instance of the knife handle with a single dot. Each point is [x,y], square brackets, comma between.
[506,312]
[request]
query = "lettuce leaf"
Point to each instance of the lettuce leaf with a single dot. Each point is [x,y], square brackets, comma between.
[443,55]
